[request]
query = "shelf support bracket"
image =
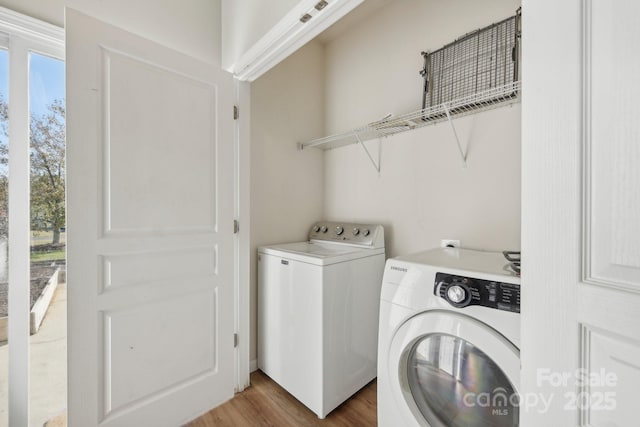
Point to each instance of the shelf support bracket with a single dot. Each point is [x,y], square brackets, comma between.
[463,155]
[366,150]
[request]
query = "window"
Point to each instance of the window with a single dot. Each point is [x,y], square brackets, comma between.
[30,52]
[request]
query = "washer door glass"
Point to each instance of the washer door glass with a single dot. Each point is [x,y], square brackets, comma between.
[455,384]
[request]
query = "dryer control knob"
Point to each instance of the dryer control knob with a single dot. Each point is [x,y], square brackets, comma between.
[324,229]
[339,230]
[456,294]
[366,232]
[356,231]
[316,228]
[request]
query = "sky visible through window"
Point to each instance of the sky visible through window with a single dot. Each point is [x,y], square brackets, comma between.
[46,77]
[4,72]
[46,82]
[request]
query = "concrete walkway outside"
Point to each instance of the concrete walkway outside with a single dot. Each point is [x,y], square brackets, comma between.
[48,385]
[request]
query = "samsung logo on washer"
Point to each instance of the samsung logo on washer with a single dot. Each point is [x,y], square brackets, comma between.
[393,267]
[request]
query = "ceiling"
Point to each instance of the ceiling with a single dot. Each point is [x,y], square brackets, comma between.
[366,8]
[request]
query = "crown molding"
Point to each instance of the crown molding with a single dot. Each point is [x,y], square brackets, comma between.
[34,30]
[289,35]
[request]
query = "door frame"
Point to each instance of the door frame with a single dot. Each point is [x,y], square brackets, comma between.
[242,241]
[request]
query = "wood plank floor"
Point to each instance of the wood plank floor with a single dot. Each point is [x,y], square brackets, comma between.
[265,403]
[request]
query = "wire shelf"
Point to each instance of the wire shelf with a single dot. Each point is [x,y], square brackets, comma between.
[476,72]
[478,61]
[493,98]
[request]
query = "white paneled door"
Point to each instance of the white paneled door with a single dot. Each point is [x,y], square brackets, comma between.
[581,213]
[150,222]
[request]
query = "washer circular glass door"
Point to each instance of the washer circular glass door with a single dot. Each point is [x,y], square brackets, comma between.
[450,370]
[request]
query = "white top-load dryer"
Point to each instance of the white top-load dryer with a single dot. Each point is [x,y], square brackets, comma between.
[449,341]
[318,305]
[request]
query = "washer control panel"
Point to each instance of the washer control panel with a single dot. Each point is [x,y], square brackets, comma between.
[368,235]
[460,291]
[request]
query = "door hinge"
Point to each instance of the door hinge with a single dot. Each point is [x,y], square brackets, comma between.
[236,112]
[235,340]
[236,226]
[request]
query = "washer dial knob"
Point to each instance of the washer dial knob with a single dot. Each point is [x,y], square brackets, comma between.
[456,294]
[316,228]
[323,229]
[366,232]
[339,230]
[356,231]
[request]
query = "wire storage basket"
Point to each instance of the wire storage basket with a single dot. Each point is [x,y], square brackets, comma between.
[477,62]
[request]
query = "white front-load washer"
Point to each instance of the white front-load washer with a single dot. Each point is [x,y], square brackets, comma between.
[318,305]
[449,341]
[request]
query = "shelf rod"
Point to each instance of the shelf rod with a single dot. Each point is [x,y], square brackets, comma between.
[387,126]
[366,150]
[463,155]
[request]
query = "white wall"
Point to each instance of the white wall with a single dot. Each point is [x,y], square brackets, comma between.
[190,26]
[422,193]
[245,22]
[287,106]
